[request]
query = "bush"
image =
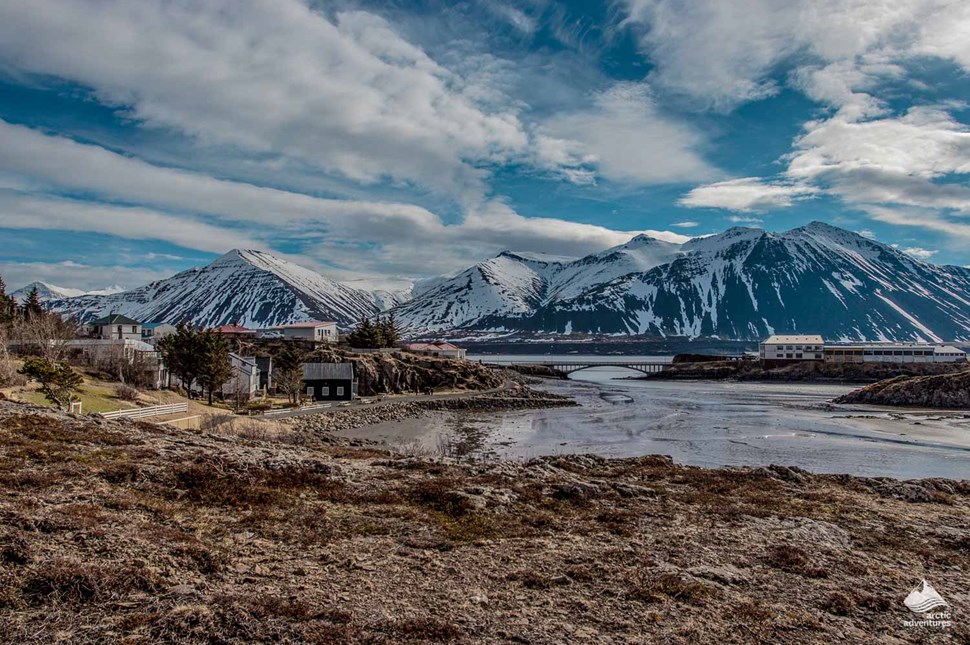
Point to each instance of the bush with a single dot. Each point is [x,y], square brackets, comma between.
[126,392]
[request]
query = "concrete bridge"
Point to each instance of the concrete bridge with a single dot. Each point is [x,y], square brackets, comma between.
[568,367]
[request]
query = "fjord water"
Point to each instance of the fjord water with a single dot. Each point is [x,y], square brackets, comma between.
[712,423]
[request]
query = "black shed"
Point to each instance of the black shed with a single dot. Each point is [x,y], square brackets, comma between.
[329,381]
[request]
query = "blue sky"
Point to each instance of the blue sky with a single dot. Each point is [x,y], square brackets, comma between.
[383,141]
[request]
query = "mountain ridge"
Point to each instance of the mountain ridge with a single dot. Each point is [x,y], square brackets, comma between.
[743,283]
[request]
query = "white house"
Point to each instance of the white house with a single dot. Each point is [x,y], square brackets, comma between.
[115,327]
[154,332]
[244,380]
[780,349]
[318,332]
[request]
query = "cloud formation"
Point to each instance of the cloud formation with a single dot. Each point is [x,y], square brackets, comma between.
[746,195]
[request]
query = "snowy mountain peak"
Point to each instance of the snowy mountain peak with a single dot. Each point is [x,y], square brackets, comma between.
[48,292]
[253,288]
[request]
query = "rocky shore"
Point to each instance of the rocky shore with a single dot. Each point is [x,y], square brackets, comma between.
[517,397]
[122,531]
[751,370]
[941,391]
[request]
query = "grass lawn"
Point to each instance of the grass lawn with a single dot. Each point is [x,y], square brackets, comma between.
[94,396]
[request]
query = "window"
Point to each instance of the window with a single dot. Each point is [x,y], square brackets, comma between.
[309,391]
[787,355]
[340,391]
[133,329]
[798,355]
[325,391]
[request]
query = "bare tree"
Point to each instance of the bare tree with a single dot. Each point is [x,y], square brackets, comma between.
[46,334]
[7,371]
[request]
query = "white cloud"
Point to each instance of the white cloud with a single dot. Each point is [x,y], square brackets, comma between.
[685,224]
[867,234]
[347,95]
[412,239]
[918,218]
[920,252]
[626,138]
[748,194]
[20,211]
[79,276]
[723,54]
[743,219]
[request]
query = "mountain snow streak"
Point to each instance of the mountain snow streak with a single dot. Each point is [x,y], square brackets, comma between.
[741,284]
[253,288]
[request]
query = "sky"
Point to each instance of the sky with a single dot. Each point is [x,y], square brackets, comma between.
[378,142]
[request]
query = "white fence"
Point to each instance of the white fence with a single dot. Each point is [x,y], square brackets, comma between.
[153,411]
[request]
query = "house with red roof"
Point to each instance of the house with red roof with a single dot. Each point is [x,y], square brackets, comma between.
[441,349]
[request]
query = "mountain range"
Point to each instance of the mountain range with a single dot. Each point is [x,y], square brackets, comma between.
[743,283]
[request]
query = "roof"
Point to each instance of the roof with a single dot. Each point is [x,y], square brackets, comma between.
[949,349]
[431,347]
[156,325]
[328,371]
[813,339]
[115,319]
[233,329]
[302,325]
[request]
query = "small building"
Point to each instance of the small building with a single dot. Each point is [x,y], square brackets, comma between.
[115,327]
[782,350]
[317,332]
[893,353]
[265,365]
[154,332]
[329,381]
[244,382]
[234,330]
[440,349]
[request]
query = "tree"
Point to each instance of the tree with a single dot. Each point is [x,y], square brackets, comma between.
[390,331]
[215,368]
[180,352]
[8,306]
[58,381]
[6,366]
[288,372]
[33,307]
[367,335]
[45,333]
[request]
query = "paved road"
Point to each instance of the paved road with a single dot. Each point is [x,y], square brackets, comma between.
[377,401]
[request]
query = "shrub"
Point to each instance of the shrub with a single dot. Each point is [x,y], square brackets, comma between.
[126,392]
[793,560]
[438,496]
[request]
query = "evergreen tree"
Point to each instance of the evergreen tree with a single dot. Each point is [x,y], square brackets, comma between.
[8,305]
[58,381]
[215,368]
[390,331]
[33,307]
[366,335]
[288,372]
[180,352]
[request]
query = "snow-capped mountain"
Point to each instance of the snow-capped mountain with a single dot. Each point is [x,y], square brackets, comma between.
[252,288]
[743,283]
[516,284]
[47,292]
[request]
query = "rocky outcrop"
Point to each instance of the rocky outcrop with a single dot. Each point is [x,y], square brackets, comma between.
[401,372]
[940,391]
[516,398]
[750,370]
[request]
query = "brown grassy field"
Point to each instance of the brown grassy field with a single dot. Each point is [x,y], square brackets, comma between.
[132,532]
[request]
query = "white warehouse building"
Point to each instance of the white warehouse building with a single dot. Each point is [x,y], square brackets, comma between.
[780,349]
[786,349]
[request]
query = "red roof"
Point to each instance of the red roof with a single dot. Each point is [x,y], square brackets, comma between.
[233,329]
[304,324]
[431,347]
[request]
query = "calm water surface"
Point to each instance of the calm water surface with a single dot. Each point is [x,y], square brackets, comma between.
[709,423]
